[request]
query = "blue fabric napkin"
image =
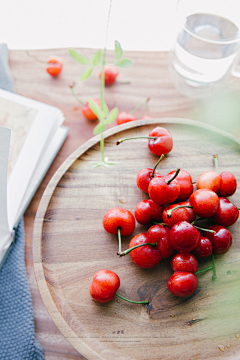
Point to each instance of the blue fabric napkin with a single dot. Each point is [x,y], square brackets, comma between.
[17,336]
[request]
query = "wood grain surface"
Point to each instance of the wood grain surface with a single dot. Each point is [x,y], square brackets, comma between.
[70,245]
[149,78]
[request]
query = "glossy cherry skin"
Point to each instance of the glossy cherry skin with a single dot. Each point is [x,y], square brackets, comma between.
[110,75]
[186,186]
[161,192]
[182,283]
[204,249]
[119,218]
[161,235]
[177,215]
[204,202]
[144,178]
[87,112]
[228,184]
[55,65]
[147,211]
[190,211]
[227,213]
[184,237]
[145,256]
[221,240]
[184,262]
[163,143]
[104,286]
[123,117]
[209,180]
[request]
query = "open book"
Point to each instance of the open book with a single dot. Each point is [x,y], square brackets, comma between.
[30,137]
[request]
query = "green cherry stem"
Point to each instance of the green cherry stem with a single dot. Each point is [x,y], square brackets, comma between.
[161,157]
[174,176]
[119,239]
[203,270]
[138,106]
[133,138]
[214,268]
[35,57]
[207,230]
[169,212]
[76,97]
[131,301]
[156,223]
[123,81]
[135,247]
[215,158]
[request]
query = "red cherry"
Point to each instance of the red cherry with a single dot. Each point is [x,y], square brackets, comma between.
[104,286]
[147,211]
[204,202]
[228,184]
[163,190]
[177,215]
[184,237]
[144,178]
[190,211]
[161,235]
[146,256]
[227,213]
[209,180]
[123,117]
[88,113]
[163,143]
[182,283]
[185,181]
[221,240]
[204,249]
[119,218]
[184,262]
[110,74]
[55,66]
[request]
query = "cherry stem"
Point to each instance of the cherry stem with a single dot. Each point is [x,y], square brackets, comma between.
[174,176]
[133,138]
[131,301]
[169,211]
[119,239]
[214,268]
[138,106]
[199,219]
[161,157]
[123,81]
[206,269]
[207,230]
[135,247]
[76,97]
[215,158]
[156,223]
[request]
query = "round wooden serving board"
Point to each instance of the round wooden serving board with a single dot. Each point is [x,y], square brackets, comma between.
[70,245]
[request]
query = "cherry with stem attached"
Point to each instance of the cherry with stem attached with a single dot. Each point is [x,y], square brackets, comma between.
[124,117]
[145,175]
[105,285]
[159,141]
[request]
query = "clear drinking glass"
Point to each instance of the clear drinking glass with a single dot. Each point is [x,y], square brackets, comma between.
[207,46]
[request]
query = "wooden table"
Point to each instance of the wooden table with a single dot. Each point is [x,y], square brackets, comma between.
[149,78]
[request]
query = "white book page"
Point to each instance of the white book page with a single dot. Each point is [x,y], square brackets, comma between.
[44,162]
[4,152]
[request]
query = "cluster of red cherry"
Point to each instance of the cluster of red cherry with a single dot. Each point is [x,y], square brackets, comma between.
[174,226]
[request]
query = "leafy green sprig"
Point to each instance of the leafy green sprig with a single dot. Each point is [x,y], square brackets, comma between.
[96,60]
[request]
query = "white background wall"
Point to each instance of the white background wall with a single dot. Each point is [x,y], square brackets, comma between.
[41,24]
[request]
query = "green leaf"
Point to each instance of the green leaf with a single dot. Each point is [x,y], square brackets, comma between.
[99,128]
[105,109]
[86,74]
[124,63]
[96,58]
[112,116]
[96,109]
[78,57]
[118,50]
